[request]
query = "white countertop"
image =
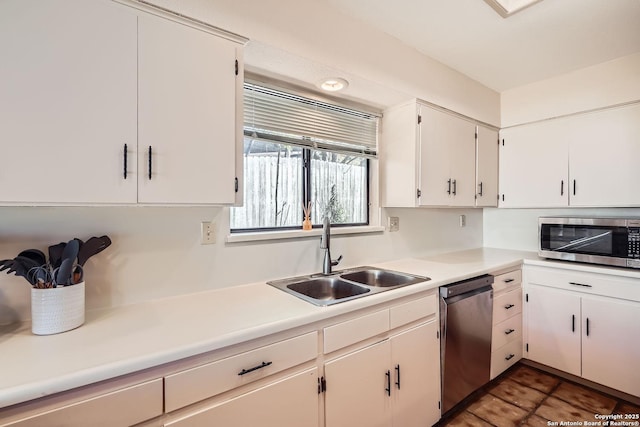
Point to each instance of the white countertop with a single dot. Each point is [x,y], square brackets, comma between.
[122,340]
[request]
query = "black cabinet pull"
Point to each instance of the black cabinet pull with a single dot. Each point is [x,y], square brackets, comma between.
[510,356]
[574,187]
[508,306]
[236,186]
[509,280]
[573,323]
[580,284]
[388,389]
[587,326]
[562,187]
[454,187]
[509,331]
[398,376]
[255,368]
[150,164]
[449,188]
[480,193]
[125,161]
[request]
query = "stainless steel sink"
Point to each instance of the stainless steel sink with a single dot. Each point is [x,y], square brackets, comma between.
[345,285]
[382,278]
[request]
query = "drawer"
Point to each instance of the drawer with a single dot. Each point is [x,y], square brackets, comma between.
[505,356]
[355,330]
[584,282]
[508,280]
[507,305]
[193,385]
[404,314]
[507,331]
[129,406]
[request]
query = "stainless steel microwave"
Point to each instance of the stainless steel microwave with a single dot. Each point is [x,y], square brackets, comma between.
[607,241]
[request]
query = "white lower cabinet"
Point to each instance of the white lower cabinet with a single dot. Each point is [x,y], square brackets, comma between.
[395,382]
[292,401]
[506,336]
[592,332]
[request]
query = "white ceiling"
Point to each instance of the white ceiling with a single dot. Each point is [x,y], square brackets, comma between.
[551,37]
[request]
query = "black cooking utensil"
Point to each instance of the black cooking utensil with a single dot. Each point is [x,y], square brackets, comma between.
[69,256]
[24,267]
[55,254]
[91,247]
[34,254]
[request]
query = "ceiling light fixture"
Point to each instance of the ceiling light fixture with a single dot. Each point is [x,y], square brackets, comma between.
[333,84]
[506,8]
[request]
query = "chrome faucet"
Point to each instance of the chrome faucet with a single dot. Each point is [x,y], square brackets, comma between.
[325,243]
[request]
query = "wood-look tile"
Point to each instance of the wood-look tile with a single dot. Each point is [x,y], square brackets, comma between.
[466,419]
[518,394]
[557,410]
[535,379]
[535,421]
[585,398]
[497,412]
[627,408]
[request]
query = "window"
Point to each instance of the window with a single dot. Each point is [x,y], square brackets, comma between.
[299,151]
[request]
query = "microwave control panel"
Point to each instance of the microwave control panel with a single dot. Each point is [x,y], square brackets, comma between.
[634,242]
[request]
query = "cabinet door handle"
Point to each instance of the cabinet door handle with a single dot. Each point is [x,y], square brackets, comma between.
[508,280]
[480,193]
[574,187]
[454,187]
[509,331]
[150,163]
[388,389]
[125,161]
[580,284]
[508,306]
[449,188]
[587,326]
[510,356]
[573,323]
[562,187]
[255,368]
[398,376]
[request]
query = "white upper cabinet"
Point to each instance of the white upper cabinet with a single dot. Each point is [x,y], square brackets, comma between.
[428,158]
[67,102]
[583,160]
[187,114]
[487,167]
[108,104]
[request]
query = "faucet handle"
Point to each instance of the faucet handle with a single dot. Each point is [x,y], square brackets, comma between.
[336,261]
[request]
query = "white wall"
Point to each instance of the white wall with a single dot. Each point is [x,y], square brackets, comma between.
[156,251]
[601,85]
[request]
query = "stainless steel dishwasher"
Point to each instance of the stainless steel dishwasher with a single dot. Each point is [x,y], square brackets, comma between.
[466,312]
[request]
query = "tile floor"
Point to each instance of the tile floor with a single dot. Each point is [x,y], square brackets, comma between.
[525,396]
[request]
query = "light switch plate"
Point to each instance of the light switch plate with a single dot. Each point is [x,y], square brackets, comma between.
[208,233]
[394,223]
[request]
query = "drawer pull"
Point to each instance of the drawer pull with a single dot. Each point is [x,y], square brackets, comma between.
[580,284]
[510,356]
[509,331]
[255,368]
[507,307]
[508,280]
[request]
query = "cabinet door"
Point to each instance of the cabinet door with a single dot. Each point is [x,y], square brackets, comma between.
[553,325]
[533,165]
[487,167]
[356,388]
[603,158]
[289,402]
[415,355]
[187,109]
[447,154]
[67,101]
[611,343]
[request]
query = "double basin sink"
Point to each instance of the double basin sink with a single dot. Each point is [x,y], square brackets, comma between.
[345,285]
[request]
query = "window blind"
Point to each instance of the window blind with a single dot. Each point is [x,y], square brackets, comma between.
[283,117]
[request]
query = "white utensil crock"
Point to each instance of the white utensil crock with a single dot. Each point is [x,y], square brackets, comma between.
[57,310]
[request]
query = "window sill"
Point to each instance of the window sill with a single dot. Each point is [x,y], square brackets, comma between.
[297,234]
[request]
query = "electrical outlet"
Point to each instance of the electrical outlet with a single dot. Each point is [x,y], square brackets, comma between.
[394,223]
[208,233]
[463,220]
